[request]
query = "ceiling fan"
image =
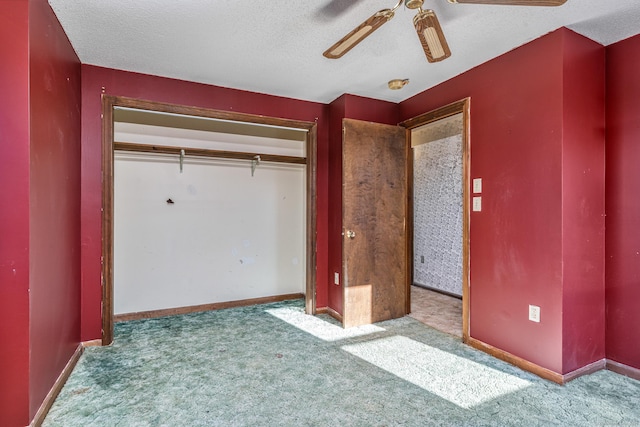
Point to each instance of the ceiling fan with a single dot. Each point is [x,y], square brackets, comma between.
[426,23]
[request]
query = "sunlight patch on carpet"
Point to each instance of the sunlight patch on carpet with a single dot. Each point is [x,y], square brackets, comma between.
[460,381]
[318,327]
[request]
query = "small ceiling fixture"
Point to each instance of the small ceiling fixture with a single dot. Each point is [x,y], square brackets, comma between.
[396,84]
[427,26]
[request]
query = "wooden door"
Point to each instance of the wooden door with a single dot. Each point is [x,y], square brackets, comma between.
[374,213]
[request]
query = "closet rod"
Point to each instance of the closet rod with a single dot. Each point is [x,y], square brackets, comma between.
[202,152]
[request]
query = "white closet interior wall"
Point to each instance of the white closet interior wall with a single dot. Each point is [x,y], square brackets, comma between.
[211,233]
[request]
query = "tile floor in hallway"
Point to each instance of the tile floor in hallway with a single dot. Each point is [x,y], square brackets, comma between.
[437,310]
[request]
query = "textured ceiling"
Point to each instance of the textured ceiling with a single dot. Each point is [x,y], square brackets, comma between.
[275,46]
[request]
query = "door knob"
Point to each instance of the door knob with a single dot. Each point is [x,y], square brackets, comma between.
[351,234]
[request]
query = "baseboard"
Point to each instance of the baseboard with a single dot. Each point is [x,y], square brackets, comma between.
[331,312]
[42,412]
[517,361]
[598,365]
[203,307]
[544,372]
[622,369]
[92,343]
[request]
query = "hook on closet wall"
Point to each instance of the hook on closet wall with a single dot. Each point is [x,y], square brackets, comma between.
[254,163]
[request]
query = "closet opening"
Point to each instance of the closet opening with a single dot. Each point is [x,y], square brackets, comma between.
[204,209]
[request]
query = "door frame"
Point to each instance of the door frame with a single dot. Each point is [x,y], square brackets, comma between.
[109,103]
[462,106]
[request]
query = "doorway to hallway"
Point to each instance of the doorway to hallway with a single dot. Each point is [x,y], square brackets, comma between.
[439,201]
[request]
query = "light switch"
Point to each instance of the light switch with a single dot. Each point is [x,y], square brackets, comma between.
[336,278]
[477,204]
[477,185]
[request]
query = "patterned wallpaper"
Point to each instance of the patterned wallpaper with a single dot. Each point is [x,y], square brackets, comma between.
[438,214]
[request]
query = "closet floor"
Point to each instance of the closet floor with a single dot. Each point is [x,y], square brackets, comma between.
[439,311]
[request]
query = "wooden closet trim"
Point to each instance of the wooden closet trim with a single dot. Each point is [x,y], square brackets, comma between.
[108,146]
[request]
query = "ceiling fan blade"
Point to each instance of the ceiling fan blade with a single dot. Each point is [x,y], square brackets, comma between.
[431,36]
[514,2]
[361,32]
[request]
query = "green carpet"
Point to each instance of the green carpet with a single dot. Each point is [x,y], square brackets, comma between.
[271,365]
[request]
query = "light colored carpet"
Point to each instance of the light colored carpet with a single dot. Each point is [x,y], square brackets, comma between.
[272,365]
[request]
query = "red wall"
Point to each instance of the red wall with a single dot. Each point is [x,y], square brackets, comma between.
[95,81]
[39,206]
[583,190]
[352,107]
[516,243]
[370,110]
[54,250]
[623,203]
[14,214]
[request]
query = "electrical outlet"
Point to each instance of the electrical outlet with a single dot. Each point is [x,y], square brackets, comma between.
[336,278]
[421,259]
[534,313]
